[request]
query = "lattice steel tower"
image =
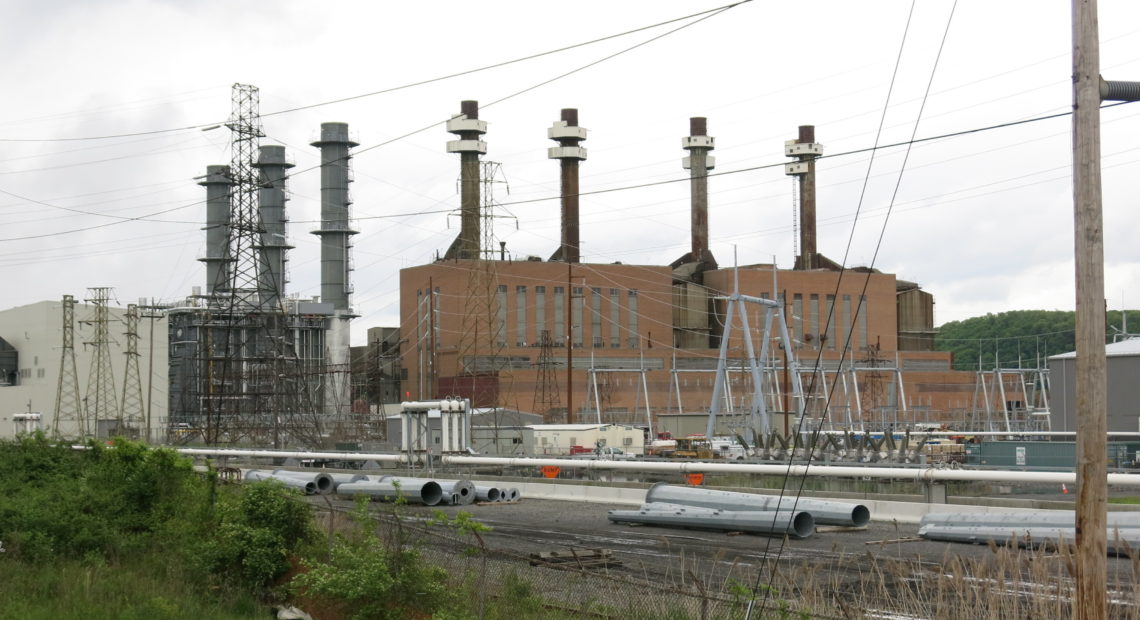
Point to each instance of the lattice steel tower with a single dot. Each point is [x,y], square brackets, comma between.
[68,407]
[132,402]
[102,401]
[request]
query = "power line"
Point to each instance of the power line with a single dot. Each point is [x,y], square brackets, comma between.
[212,125]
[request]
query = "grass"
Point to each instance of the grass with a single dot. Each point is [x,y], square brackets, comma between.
[141,590]
[1124,500]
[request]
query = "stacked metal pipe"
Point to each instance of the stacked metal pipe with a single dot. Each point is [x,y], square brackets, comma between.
[310,483]
[1033,529]
[822,511]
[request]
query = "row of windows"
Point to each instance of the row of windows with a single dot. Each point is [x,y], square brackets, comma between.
[606,327]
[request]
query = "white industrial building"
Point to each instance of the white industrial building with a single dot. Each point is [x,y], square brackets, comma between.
[557,439]
[31,353]
[1123,378]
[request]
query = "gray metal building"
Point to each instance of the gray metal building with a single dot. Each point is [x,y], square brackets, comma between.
[1123,366]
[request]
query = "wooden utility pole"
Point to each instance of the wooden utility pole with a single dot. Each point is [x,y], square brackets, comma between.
[1091,383]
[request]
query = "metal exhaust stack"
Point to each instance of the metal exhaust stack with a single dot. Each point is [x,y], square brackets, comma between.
[568,135]
[336,234]
[274,246]
[219,264]
[699,163]
[468,128]
[805,150]
[335,231]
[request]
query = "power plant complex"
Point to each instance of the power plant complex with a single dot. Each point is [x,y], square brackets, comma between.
[661,347]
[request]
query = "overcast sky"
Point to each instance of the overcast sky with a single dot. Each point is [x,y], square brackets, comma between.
[982,221]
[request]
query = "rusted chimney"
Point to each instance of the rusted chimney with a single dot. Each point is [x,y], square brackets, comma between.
[468,128]
[568,135]
[805,150]
[698,163]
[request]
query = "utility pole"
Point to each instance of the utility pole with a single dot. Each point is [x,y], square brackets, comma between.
[1091,383]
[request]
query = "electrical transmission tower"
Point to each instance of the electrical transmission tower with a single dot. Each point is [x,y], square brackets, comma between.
[132,402]
[480,358]
[252,386]
[68,407]
[101,402]
[546,396]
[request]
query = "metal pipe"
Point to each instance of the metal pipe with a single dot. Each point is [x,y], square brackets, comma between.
[1036,518]
[462,490]
[307,486]
[796,525]
[324,482]
[515,495]
[427,493]
[486,494]
[828,512]
[1120,540]
[504,494]
[918,474]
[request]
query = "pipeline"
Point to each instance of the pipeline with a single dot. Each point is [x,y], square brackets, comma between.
[1121,541]
[514,495]
[307,486]
[798,524]
[1057,518]
[822,511]
[325,483]
[428,492]
[486,494]
[917,474]
[461,492]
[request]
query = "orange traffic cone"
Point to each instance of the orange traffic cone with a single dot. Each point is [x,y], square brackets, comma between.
[1064,489]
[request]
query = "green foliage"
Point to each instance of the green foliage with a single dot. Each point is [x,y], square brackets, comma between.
[100,502]
[259,529]
[368,579]
[1027,336]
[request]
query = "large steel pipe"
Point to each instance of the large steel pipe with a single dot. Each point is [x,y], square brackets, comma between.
[514,495]
[427,492]
[829,512]
[324,482]
[1058,518]
[1120,540]
[461,492]
[309,487]
[487,494]
[797,524]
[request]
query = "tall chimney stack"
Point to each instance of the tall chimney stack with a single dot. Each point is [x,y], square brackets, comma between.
[335,231]
[468,128]
[698,163]
[219,264]
[274,245]
[805,150]
[568,135]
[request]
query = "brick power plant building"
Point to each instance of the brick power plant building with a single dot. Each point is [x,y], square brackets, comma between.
[637,337]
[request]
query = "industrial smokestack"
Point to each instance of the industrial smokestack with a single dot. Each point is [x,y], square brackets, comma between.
[698,163]
[335,232]
[468,128]
[219,263]
[805,150]
[274,244]
[568,135]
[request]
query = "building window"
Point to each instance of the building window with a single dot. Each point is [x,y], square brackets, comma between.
[540,310]
[576,303]
[559,316]
[501,319]
[615,318]
[797,319]
[847,323]
[815,320]
[596,317]
[634,337]
[520,316]
[862,323]
[831,321]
